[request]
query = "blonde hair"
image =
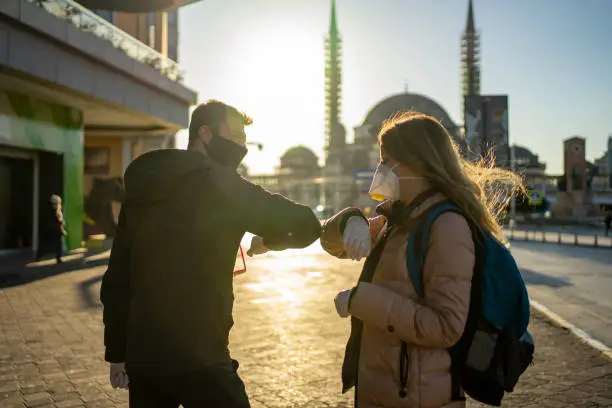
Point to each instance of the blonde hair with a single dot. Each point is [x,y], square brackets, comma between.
[481,191]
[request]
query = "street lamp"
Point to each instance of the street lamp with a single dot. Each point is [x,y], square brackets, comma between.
[512,221]
[259,145]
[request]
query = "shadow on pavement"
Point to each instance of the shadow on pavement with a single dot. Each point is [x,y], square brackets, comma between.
[89,298]
[21,271]
[535,278]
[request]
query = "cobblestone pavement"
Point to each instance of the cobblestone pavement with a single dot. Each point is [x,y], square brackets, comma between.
[287,337]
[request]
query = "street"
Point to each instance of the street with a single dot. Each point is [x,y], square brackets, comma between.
[574,282]
[287,336]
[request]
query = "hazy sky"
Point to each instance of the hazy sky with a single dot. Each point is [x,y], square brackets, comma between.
[552,57]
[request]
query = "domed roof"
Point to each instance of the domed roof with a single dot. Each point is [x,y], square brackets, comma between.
[299,157]
[523,152]
[520,152]
[392,105]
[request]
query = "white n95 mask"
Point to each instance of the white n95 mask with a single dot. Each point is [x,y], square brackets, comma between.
[385,184]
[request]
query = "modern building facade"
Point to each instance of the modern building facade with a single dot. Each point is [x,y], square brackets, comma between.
[79,99]
[604,168]
[157,29]
[135,6]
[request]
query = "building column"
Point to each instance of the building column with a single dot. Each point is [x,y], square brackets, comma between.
[164,34]
[126,155]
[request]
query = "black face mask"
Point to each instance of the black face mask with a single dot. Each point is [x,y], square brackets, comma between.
[225,152]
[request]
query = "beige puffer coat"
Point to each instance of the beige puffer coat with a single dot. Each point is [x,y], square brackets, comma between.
[391,311]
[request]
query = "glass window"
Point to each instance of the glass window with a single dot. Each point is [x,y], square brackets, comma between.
[173,52]
[107,15]
[152,30]
[152,19]
[172,17]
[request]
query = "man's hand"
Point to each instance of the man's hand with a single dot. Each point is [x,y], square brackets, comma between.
[356,237]
[118,376]
[257,246]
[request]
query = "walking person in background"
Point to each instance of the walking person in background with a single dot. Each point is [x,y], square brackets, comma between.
[608,221]
[168,290]
[53,231]
[397,353]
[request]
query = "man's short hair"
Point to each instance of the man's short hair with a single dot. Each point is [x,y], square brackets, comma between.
[212,113]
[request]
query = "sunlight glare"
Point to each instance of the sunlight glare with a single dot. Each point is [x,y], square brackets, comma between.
[283,85]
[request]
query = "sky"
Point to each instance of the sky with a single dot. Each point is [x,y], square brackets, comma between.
[553,58]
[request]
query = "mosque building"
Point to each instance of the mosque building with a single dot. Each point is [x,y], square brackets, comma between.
[345,176]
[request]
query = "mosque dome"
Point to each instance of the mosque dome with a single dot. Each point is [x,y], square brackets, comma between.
[299,158]
[389,107]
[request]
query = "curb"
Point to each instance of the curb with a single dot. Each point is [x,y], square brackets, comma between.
[583,336]
[561,238]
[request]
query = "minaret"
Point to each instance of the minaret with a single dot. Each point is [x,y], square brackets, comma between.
[335,133]
[470,58]
[609,161]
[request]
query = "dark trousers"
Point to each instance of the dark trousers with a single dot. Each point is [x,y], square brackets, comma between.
[215,388]
[50,244]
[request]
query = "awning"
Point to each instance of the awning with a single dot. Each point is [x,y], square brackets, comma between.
[134,6]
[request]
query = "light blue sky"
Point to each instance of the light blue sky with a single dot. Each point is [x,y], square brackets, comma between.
[552,57]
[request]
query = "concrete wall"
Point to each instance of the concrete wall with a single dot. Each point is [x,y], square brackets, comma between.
[115,146]
[38,44]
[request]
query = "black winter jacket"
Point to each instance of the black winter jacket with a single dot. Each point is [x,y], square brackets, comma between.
[168,289]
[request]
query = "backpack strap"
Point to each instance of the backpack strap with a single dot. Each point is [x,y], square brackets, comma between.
[415,259]
[416,251]
[418,240]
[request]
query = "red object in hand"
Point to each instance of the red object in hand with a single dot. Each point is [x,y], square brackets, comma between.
[240,266]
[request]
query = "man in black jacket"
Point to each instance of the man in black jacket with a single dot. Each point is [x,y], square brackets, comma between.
[168,289]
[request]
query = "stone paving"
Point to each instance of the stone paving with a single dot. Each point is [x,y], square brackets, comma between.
[287,338]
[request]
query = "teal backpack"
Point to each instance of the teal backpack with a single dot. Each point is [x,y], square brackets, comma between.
[495,348]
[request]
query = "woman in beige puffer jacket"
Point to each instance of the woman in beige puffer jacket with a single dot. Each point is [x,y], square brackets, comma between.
[420,166]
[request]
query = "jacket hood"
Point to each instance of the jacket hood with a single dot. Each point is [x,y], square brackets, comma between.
[154,175]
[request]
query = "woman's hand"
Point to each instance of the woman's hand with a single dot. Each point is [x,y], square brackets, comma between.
[356,238]
[342,303]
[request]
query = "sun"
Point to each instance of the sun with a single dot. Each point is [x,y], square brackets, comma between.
[284,93]
[277,77]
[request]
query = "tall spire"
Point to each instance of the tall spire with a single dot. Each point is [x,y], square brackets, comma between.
[470,57]
[334,131]
[333,25]
[470,27]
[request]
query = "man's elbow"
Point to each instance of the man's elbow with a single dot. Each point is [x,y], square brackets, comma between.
[309,231]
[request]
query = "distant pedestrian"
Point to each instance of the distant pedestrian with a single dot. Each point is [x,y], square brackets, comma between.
[53,229]
[608,221]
